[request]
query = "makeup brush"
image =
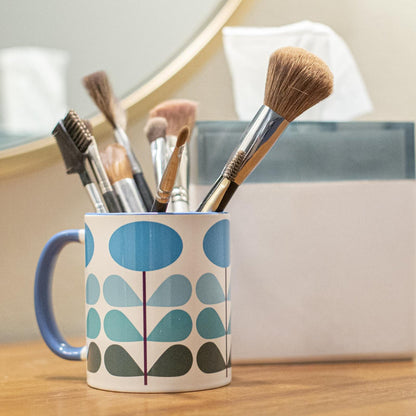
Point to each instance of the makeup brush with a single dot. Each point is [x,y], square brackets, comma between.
[296,80]
[178,113]
[155,130]
[117,166]
[99,88]
[85,142]
[75,163]
[168,180]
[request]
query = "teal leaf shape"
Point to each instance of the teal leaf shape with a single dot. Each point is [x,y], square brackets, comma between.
[89,245]
[117,292]
[210,359]
[93,324]
[174,362]
[175,326]
[93,358]
[119,328]
[209,290]
[176,290]
[119,362]
[92,289]
[209,324]
[229,327]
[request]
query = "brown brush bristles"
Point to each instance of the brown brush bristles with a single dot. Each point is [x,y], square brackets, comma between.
[155,128]
[296,80]
[182,136]
[178,113]
[98,86]
[116,162]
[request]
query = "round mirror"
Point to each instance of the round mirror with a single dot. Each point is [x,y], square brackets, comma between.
[47,47]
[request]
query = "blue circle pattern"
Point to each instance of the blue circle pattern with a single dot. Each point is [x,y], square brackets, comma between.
[145,246]
[89,245]
[217,243]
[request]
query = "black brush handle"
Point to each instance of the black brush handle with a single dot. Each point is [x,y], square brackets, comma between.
[159,206]
[227,196]
[144,190]
[112,202]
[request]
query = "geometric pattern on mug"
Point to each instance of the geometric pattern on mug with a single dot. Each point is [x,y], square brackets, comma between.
[209,324]
[210,359]
[216,243]
[175,291]
[89,245]
[145,246]
[93,358]
[175,326]
[118,327]
[209,290]
[174,362]
[117,292]
[92,290]
[93,324]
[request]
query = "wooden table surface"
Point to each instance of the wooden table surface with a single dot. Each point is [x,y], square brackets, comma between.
[33,381]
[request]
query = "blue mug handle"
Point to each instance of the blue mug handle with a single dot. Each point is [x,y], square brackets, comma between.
[43,295]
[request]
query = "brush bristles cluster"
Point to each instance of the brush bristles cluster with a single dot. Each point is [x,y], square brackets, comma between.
[296,81]
[182,136]
[155,128]
[78,131]
[116,162]
[178,113]
[98,86]
[233,167]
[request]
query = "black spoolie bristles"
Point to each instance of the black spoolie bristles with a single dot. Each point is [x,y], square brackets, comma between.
[78,131]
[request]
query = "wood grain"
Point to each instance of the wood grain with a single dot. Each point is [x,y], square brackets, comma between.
[33,381]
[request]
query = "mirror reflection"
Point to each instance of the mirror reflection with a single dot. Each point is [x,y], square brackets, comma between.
[52,45]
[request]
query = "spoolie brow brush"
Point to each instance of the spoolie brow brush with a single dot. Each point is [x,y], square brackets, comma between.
[168,179]
[296,80]
[86,144]
[99,88]
[75,163]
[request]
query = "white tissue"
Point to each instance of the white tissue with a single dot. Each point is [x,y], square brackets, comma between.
[248,49]
[32,89]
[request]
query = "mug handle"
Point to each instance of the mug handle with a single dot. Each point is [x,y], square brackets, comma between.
[43,295]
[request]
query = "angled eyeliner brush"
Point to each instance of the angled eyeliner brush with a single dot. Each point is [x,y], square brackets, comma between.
[99,88]
[86,144]
[296,80]
[167,183]
[75,163]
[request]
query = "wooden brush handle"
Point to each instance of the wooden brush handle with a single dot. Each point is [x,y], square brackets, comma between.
[144,190]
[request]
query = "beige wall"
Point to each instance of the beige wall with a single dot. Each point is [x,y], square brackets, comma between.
[38,204]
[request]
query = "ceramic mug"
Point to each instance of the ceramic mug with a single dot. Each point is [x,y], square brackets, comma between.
[157,301]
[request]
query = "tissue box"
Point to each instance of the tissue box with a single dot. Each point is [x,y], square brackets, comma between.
[322,240]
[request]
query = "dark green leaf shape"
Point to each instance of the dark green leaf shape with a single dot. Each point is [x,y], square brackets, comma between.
[209,358]
[93,358]
[174,362]
[118,362]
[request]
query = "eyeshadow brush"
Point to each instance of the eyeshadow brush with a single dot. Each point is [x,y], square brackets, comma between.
[178,113]
[86,144]
[155,130]
[117,166]
[100,90]
[296,80]
[75,163]
[166,185]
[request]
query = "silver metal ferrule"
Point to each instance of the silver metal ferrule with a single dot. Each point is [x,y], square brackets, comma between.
[258,138]
[98,168]
[122,138]
[126,191]
[179,196]
[159,157]
[95,198]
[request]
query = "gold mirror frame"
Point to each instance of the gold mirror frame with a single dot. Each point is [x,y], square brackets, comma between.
[34,154]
